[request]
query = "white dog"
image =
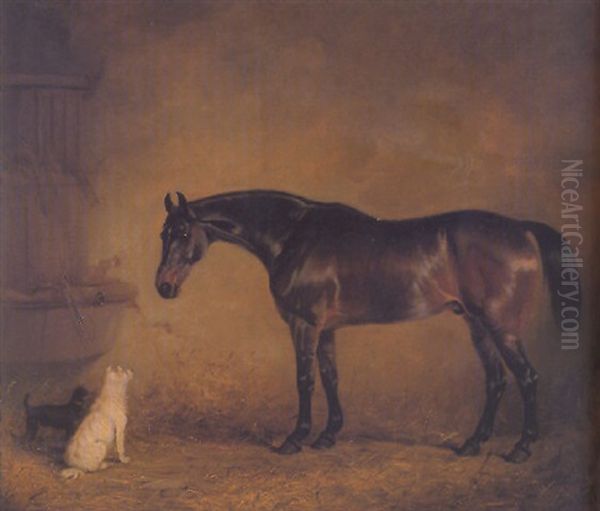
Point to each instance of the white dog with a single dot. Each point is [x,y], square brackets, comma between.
[104,425]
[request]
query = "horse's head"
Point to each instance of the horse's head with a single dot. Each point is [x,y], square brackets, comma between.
[184,243]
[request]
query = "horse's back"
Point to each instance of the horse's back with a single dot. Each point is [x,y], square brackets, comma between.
[350,232]
[369,270]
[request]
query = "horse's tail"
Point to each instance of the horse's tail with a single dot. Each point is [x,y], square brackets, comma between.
[549,242]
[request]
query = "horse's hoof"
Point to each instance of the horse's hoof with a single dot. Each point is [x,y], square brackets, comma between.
[288,447]
[325,441]
[519,454]
[469,448]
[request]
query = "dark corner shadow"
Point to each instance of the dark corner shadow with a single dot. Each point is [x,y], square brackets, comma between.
[49,449]
[6,504]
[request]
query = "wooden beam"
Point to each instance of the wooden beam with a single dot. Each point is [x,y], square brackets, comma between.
[55,81]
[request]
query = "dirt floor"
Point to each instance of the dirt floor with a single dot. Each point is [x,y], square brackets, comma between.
[168,472]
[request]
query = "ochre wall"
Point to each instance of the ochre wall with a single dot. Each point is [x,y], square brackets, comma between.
[399,110]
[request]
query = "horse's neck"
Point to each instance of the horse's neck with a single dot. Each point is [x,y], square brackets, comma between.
[259,224]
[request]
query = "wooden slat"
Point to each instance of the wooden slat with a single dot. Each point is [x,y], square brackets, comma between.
[56,81]
[44,126]
[26,127]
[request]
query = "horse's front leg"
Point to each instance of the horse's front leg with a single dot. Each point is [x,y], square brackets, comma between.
[329,378]
[305,337]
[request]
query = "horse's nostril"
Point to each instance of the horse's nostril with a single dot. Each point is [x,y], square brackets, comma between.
[165,290]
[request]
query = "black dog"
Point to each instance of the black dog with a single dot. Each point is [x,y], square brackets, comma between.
[65,417]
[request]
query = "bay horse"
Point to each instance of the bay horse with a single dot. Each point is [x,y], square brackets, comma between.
[331,265]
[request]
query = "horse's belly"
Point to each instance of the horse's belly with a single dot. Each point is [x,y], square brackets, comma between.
[386,300]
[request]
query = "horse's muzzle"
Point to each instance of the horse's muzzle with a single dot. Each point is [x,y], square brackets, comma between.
[167,290]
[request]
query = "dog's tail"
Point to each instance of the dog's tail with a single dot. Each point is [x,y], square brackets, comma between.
[71,473]
[26,402]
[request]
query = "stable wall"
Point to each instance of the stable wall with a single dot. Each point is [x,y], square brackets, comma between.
[399,110]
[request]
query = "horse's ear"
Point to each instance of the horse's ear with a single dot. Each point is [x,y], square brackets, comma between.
[182,200]
[185,207]
[168,203]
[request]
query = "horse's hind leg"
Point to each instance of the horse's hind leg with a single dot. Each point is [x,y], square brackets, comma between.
[499,288]
[512,351]
[505,316]
[495,383]
[329,379]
